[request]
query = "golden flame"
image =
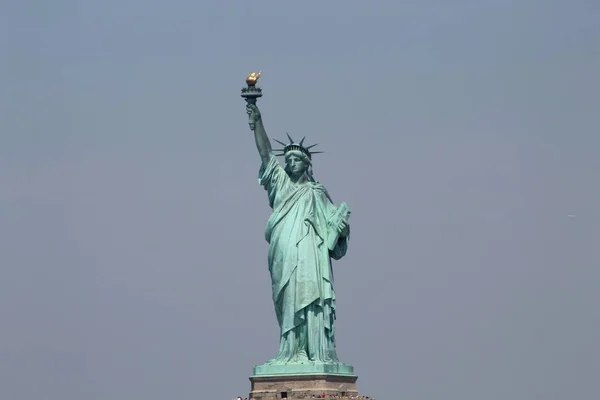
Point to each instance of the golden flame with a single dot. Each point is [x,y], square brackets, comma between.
[252,78]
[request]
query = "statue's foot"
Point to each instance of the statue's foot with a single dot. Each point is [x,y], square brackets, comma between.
[274,361]
[301,358]
[328,361]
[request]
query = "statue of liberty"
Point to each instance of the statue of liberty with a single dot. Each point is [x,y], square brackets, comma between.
[305,231]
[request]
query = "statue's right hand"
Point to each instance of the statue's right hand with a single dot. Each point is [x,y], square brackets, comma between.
[253,113]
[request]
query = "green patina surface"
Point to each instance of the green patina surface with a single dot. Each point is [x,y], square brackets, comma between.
[305,232]
[304,369]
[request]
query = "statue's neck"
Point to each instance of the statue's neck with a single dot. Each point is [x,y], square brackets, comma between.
[299,180]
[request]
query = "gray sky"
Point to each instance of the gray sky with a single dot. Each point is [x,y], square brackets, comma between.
[462,134]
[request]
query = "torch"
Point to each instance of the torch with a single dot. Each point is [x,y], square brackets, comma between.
[251,93]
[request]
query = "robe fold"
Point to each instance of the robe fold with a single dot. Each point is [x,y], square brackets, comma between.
[300,264]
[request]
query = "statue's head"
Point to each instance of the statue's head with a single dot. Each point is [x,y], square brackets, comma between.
[298,159]
[298,164]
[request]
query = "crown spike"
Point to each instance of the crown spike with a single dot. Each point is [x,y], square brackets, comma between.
[293,146]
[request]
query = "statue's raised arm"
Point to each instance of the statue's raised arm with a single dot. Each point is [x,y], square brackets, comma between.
[260,135]
[250,94]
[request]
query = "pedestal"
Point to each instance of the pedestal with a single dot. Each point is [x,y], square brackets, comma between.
[304,369]
[296,387]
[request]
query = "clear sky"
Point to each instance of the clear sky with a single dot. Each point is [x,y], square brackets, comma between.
[462,134]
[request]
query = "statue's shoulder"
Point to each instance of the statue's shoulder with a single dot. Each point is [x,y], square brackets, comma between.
[317,186]
[320,188]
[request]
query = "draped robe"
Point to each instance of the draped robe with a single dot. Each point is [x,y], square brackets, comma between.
[300,265]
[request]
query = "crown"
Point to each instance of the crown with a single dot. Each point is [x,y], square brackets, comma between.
[292,146]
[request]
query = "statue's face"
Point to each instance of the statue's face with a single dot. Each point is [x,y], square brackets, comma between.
[296,165]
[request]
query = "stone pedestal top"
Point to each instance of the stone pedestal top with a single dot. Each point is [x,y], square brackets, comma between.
[302,386]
